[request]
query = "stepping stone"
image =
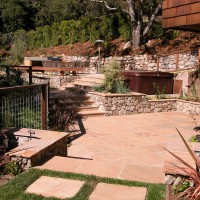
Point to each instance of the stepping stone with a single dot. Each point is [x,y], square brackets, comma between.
[105,191]
[55,187]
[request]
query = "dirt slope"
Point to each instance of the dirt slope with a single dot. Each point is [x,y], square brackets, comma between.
[184,42]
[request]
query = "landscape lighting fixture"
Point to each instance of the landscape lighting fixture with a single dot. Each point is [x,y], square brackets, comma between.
[99,43]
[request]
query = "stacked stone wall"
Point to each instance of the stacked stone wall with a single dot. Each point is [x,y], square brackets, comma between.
[186,60]
[113,104]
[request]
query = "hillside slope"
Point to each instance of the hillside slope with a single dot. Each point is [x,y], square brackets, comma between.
[184,42]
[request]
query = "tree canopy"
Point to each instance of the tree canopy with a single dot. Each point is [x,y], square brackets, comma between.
[53,22]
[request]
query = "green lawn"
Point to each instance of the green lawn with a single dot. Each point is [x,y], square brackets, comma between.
[14,190]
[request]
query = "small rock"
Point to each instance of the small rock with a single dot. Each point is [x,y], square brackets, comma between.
[127,45]
[177,181]
[169,179]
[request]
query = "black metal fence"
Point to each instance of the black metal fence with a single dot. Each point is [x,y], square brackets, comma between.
[24,106]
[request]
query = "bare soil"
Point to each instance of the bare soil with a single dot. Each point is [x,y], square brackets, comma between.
[184,42]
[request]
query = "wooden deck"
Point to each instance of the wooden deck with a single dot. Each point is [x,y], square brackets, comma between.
[181,14]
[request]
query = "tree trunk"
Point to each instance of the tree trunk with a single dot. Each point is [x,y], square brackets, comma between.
[136,36]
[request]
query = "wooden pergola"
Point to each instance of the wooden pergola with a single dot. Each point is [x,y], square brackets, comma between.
[181,14]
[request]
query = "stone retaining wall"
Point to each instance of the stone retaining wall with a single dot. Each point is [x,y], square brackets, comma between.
[56,80]
[125,104]
[188,107]
[186,60]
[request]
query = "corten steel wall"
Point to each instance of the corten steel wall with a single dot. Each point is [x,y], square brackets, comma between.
[181,14]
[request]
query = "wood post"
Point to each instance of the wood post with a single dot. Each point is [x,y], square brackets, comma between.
[8,73]
[158,63]
[30,75]
[177,61]
[44,106]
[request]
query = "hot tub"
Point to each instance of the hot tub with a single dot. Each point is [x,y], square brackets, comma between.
[146,81]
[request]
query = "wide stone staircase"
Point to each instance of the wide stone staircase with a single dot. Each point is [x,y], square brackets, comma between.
[87,82]
[73,96]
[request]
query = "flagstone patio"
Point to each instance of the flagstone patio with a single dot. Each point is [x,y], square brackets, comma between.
[127,147]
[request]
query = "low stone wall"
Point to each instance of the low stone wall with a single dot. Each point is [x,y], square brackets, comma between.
[162,105]
[59,148]
[188,107]
[123,104]
[134,103]
[42,145]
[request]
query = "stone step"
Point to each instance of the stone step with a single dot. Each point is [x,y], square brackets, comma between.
[80,108]
[76,90]
[71,97]
[94,76]
[88,113]
[86,108]
[83,84]
[90,80]
[76,103]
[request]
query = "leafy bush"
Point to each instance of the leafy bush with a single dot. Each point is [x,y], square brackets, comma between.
[20,44]
[121,87]
[71,31]
[99,88]
[13,167]
[160,93]
[113,79]
[124,26]
[60,120]
[195,138]
[30,118]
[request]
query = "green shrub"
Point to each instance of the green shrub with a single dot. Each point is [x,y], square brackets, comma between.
[160,93]
[99,88]
[114,82]
[20,44]
[124,26]
[13,167]
[30,118]
[121,87]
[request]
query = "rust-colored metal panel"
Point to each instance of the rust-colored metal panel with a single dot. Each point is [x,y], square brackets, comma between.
[183,10]
[168,23]
[195,8]
[182,14]
[178,84]
[165,4]
[193,19]
[179,21]
[169,13]
[176,3]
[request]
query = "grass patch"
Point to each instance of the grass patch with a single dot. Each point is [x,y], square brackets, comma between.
[15,188]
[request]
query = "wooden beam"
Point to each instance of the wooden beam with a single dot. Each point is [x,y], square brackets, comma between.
[177,61]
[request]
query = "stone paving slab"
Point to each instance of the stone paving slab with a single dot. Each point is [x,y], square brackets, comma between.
[105,191]
[55,187]
[127,144]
